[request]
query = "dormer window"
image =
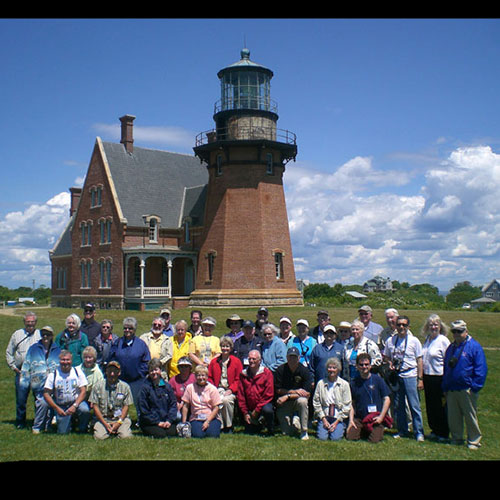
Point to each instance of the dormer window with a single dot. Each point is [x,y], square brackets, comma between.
[152,223]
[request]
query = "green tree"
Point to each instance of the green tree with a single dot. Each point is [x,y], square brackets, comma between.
[463,292]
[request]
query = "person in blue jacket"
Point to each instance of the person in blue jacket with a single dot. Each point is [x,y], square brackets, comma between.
[41,359]
[321,353]
[133,355]
[273,348]
[465,371]
[157,404]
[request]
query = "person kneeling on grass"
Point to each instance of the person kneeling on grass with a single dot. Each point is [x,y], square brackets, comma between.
[111,399]
[202,402]
[64,391]
[157,404]
[370,403]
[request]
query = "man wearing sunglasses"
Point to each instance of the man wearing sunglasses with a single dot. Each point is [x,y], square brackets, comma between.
[464,376]
[403,352]
[90,326]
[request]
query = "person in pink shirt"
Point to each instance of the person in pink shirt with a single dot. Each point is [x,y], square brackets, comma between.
[202,403]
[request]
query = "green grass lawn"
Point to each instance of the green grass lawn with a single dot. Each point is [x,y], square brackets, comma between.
[19,445]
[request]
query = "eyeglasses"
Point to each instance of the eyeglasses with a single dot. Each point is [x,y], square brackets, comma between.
[401,325]
[128,328]
[157,325]
[105,327]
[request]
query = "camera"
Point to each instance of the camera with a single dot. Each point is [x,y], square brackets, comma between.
[397,364]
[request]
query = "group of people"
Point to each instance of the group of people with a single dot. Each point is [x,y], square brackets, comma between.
[351,382]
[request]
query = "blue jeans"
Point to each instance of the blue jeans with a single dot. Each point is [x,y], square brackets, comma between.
[43,413]
[336,435]
[408,389]
[212,431]
[22,394]
[64,422]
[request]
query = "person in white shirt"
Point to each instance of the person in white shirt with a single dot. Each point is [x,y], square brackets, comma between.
[434,348]
[20,341]
[403,352]
[64,390]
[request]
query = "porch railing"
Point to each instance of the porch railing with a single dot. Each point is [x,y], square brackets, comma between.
[148,291]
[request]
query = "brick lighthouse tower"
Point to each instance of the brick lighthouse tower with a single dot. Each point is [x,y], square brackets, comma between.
[245,257]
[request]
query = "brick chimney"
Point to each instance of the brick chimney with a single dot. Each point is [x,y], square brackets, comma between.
[76,193]
[127,132]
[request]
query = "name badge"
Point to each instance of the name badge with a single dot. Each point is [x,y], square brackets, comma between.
[372,408]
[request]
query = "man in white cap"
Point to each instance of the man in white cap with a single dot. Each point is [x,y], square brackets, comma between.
[206,346]
[303,342]
[286,333]
[465,371]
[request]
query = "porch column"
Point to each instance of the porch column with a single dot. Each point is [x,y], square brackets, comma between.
[142,266]
[169,267]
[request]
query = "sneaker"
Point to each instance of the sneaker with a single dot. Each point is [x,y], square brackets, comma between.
[420,438]
[473,446]
[304,436]
[35,431]
[296,422]
[396,436]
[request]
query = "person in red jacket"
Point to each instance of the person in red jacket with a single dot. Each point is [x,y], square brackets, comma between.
[224,372]
[256,394]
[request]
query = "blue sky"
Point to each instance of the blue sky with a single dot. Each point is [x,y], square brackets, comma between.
[398,166]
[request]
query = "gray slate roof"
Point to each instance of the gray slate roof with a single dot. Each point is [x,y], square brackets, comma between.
[156,182]
[147,182]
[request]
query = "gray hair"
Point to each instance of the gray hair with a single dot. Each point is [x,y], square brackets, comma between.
[333,361]
[270,326]
[76,318]
[257,353]
[159,319]
[30,314]
[391,310]
[130,321]
[90,350]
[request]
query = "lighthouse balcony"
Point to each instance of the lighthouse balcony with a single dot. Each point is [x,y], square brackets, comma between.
[246,132]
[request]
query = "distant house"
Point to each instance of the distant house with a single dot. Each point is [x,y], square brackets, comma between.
[378,284]
[491,290]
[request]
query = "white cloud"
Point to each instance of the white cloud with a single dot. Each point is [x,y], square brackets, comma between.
[172,137]
[345,230]
[26,238]
[346,225]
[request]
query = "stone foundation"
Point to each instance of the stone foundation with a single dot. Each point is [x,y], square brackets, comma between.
[245,298]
